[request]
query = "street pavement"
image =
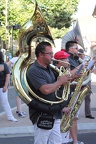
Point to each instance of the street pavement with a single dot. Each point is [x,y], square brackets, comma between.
[88,138]
[24,126]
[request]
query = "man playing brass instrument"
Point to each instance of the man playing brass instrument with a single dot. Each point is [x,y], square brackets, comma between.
[43,82]
[61,59]
[72,48]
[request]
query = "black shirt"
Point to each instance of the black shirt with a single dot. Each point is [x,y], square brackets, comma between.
[36,77]
[74,61]
[3,74]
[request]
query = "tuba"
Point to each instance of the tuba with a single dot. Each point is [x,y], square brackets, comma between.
[31,33]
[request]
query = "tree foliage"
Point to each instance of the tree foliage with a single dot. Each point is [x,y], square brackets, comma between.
[58,14]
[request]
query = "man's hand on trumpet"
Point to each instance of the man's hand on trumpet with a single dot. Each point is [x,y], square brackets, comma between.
[64,79]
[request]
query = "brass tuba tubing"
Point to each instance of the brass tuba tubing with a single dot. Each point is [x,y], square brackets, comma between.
[31,33]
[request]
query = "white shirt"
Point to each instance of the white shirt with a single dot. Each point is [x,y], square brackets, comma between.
[13,60]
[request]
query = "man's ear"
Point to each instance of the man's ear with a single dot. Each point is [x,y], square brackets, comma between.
[41,54]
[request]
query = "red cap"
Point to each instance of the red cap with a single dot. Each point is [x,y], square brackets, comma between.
[61,55]
[63,50]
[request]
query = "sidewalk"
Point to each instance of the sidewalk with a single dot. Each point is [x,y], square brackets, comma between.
[24,126]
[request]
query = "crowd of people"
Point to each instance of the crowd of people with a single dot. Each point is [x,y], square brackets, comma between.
[45,82]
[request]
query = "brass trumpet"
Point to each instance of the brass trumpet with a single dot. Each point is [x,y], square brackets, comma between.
[62,71]
[60,61]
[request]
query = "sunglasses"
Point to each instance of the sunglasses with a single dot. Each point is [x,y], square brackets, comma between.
[75,47]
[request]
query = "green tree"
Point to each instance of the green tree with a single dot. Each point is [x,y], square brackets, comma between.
[58,14]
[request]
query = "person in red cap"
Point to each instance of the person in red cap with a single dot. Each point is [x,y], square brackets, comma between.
[61,55]
[61,59]
[71,48]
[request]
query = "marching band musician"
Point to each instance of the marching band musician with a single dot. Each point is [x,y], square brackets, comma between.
[71,48]
[42,81]
[61,59]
